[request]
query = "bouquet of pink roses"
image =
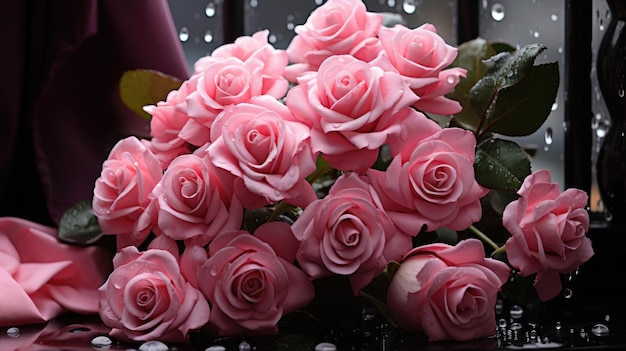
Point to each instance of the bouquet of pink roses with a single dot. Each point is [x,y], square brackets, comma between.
[269,171]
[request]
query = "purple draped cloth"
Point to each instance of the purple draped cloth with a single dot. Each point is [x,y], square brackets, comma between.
[60,110]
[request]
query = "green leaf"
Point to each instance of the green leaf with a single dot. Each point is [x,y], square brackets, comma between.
[142,87]
[501,165]
[79,226]
[522,109]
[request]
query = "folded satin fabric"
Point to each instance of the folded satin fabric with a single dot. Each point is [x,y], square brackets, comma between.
[41,278]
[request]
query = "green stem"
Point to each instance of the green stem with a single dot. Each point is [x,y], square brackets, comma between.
[484,237]
[279,209]
[319,171]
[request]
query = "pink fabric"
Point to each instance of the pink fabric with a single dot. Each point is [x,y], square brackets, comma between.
[41,278]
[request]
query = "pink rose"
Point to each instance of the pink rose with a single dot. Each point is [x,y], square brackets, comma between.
[251,280]
[447,292]
[431,181]
[269,152]
[420,55]
[147,298]
[255,47]
[348,233]
[547,232]
[195,200]
[168,118]
[353,108]
[224,82]
[41,278]
[122,192]
[338,27]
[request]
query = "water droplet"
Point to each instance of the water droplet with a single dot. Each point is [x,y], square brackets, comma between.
[535,33]
[600,330]
[608,216]
[318,2]
[208,36]
[497,12]
[244,346]
[215,348]
[502,323]
[290,26]
[516,311]
[557,326]
[499,306]
[183,35]
[391,3]
[620,92]
[79,330]
[325,346]
[409,6]
[13,332]
[209,11]
[254,3]
[568,293]
[153,345]
[101,341]
[451,79]
[554,17]
[548,136]
[555,106]
[272,38]
[515,326]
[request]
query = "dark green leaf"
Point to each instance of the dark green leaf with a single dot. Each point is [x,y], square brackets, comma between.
[79,226]
[501,164]
[139,88]
[521,109]
[447,235]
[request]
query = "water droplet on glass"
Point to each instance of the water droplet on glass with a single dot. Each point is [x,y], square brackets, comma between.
[548,136]
[290,26]
[497,12]
[318,2]
[13,332]
[409,6]
[244,346]
[554,17]
[101,341]
[558,325]
[607,318]
[555,106]
[153,345]
[534,33]
[254,3]
[209,11]
[208,36]
[600,330]
[567,293]
[325,346]
[516,311]
[391,3]
[183,35]
[608,216]
[515,326]
[272,38]
[502,323]
[601,24]
[499,306]
[215,348]
[620,92]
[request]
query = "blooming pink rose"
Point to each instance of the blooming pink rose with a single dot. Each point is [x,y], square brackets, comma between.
[224,82]
[447,292]
[147,298]
[168,118]
[348,233]
[547,232]
[41,278]
[255,47]
[338,27]
[122,192]
[353,109]
[269,152]
[251,280]
[420,56]
[430,182]
[195,200]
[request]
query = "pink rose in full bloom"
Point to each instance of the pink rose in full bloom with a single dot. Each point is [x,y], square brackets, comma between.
[251,280]
[547,230]
[420,55]
[348,233]
[353,108]
[147,298]
[168,118]
[337,27]
[255,47]
[447,292]
[262,144]
[42,278]
[430,182]
[195,201]
[123,191]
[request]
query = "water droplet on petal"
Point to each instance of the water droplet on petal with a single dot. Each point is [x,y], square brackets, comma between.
[497,12]
[13,332]
[101,341]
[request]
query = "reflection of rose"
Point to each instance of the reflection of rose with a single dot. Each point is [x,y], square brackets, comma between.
[447,292]
[251,281]
[547,232]
[348,233]
[147,298]
[269,152]
[122,192]
[41,278]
